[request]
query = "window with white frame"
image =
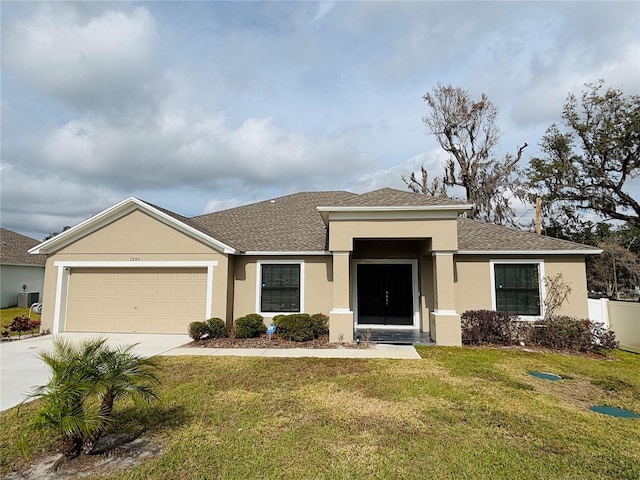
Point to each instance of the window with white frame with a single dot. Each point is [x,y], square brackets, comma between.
[280,287]
[517,288]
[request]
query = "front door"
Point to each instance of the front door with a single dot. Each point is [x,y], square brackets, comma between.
[385,294]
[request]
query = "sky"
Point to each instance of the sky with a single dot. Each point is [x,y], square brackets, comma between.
[203,106]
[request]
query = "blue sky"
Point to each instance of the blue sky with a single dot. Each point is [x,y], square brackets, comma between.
[200,106]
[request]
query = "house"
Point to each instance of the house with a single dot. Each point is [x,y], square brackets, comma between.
[384,259]
[21,274]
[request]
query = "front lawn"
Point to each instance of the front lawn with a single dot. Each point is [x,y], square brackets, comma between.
[458,413]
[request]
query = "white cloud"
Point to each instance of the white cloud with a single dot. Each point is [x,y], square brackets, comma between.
[431,160]
[205,105]
[218,205]
[86,61]
[323,9]
[184,147]
[36,204]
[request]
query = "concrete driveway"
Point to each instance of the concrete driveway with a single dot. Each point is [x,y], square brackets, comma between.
[21,369]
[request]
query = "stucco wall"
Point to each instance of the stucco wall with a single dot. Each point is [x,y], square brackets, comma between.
[473,281]
[318,288]
[442,232]
[14,277]
[137,237]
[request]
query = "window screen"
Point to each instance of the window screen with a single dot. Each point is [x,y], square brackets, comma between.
[517,288]
[280,288]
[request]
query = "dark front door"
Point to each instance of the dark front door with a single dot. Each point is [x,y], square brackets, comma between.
[385,294]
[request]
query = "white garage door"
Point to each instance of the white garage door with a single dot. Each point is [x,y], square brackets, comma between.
[135,300]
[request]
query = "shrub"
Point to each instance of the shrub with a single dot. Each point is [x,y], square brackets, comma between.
[22,323]
[298,327]
[217,328]
[198,329]
[481,327]
[570,333]
[251,325]
[321,322]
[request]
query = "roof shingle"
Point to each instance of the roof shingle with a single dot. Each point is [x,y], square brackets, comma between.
[14,249]
[293,224]
[474,235]
[286,224]
[390,197]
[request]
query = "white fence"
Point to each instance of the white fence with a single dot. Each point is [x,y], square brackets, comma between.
[621,317]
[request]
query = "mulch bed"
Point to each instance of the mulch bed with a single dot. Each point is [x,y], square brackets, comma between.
[264,341]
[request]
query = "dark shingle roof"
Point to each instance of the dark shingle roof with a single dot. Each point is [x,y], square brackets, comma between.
[293,224]
[474,235]
[390,197]
[176,216]
[286,224]
[14,249]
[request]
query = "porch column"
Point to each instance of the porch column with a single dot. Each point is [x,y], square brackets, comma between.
[444,320]
[341,315]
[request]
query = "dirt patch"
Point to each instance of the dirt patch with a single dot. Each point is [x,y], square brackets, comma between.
[116,453]
[269,341]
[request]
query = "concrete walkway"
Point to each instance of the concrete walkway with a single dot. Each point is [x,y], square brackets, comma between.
[21,369]
[375,351]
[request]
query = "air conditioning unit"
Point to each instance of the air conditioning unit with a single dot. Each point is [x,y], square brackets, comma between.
[26,299]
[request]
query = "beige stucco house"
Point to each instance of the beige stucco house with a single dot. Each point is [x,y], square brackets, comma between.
[387,259]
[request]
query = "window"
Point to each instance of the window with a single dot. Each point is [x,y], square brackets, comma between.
[280,287]
[517,288]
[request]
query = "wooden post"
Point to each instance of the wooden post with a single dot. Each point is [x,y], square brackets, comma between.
[538,207]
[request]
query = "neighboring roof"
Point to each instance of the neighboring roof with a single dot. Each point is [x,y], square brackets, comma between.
[285,224]
[476,237]
[14,249]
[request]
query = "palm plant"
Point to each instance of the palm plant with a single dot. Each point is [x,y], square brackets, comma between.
[86,379]
[64,408]
[120,374]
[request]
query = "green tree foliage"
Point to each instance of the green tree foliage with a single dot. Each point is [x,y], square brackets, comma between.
[614,270]
[466,130]
[618,267]
[593,163]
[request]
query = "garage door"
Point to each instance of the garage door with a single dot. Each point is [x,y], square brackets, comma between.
[135,300]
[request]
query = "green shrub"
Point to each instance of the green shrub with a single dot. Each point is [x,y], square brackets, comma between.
[217,328]
[298,327]
[251,325]
[198,329]
[482,327]
[321,322]
[570,333]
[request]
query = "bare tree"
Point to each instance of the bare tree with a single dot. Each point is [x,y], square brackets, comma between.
[466,129]
[436,188]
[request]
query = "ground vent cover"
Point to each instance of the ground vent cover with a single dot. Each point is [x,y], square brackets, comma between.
[614,411]
[546,376]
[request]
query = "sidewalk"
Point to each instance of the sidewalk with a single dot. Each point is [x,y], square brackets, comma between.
[375,351]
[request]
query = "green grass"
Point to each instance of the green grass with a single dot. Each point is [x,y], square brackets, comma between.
[7,315]
[459,413]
